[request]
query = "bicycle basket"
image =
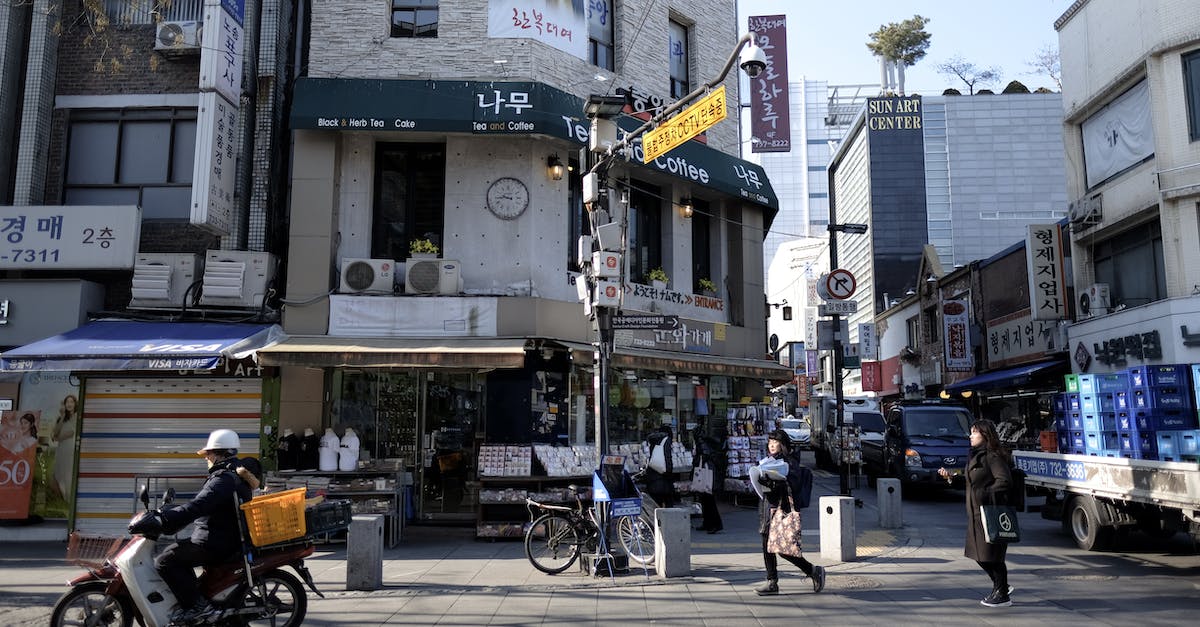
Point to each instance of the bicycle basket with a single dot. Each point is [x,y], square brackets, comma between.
[91,551]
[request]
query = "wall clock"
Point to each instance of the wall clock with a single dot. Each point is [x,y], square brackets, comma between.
[507,198]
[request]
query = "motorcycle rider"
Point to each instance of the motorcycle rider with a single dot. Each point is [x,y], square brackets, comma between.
[215,534]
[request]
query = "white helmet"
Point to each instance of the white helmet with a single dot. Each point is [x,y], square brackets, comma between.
[220,440]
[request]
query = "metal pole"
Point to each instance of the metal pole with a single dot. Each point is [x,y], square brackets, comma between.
[838,395]
[603,354]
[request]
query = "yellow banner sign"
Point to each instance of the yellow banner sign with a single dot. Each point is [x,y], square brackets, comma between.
[689,123]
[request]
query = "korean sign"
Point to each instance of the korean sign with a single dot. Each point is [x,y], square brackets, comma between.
[222,53]
[69,237]
[215,171]
[956,329]
[562,25]
[770,119]
[690,122]
[1047,282]
[1018,338]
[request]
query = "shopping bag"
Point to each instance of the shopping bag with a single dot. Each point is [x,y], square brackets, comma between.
[702,480]
[658,458]
[783,535]
[1000,523]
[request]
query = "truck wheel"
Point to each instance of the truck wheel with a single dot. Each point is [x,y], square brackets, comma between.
[1083,523]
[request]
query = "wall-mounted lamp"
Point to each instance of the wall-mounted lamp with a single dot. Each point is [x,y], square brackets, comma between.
[910,292]
[555,167]
[686,209]
[931,279]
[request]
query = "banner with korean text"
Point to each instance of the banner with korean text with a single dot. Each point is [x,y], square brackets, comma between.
[1047,274]
[956,329]
[770,108]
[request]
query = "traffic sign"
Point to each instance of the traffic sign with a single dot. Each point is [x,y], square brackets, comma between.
[839,284]
[837,307]
[689,123]
[646,323]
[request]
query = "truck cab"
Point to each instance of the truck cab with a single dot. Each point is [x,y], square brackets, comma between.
[921,437]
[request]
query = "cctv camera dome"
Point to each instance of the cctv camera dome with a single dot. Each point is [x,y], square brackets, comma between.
[754,61]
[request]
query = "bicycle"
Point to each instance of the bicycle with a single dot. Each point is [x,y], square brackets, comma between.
[559,534]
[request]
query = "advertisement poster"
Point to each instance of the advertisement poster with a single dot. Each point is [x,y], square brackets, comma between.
[37,448]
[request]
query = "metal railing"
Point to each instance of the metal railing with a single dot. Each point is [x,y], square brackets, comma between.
[127,12]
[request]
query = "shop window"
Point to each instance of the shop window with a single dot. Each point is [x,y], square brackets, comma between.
[600,33]
[1132,265]
[410,185]
[132,157]
[414,18]
[578,223]
[679,60]
[645,231]
[702,250]
[381,406]
[1191,79]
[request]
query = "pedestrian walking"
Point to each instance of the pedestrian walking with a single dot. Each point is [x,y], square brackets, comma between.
[660,482]
[989,478]
[708,452]
[777,479]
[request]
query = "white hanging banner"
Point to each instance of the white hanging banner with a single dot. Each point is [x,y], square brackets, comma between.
[1047,277]
[1119,135]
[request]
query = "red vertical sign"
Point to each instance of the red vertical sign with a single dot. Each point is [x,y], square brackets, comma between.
[872,379]
[770,111]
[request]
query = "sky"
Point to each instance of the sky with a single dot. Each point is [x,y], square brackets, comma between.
[827,38]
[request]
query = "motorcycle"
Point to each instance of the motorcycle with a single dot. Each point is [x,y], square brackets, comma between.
[247,588]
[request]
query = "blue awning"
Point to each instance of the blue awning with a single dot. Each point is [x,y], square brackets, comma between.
[1007,378]
[135,345]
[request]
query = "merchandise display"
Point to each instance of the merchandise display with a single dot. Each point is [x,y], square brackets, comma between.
[564,461]
[505,460]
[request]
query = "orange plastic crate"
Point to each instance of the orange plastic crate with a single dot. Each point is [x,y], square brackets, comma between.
[275,517]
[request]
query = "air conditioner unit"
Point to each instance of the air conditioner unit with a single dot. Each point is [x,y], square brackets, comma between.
[1093,300]
[162,279]
[367,275]
[432,276]
[236,278]
[178,36]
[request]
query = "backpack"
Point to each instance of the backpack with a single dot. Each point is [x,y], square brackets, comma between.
[803,498]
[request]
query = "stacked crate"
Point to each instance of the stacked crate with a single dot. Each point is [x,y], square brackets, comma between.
[1097,415]
[1161,402]
[1062,402]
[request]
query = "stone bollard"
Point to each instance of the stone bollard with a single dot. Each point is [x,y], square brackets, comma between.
[672,542]
[364,553]
[891,509]
[837,528]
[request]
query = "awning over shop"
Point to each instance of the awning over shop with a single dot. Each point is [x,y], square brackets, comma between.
[1007,378]
[696,363]
[323,351]
[136,345]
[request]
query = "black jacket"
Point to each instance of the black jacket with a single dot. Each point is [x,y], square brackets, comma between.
[213,509]
[779,488]
[988,480]
[661,483]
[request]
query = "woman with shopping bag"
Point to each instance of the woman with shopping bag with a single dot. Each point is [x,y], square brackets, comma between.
[660,471]
[777,480]
[705,462]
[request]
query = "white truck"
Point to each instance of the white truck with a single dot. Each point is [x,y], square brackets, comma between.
[858,411]
[1096,497]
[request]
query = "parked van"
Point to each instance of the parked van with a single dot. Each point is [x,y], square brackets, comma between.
[921,437]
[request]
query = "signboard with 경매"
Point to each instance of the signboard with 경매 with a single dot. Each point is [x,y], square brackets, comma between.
[689,123]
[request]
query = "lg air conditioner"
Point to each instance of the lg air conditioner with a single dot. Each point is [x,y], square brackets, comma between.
[178,36]
[432,276]
[367,276]
[236,278]
[1094,300]
[161,280]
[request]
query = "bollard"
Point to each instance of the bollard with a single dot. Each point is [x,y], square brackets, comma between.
[364,553]
[891,509]
[672,542]
[837,528]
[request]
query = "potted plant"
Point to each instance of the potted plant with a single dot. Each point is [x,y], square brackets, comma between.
[658,278]
[423,248]
[707,287]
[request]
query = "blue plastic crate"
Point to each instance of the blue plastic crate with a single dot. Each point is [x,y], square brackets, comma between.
[1073,401]
[1112,382]
[1125,421]
[1101,441]
[1074,421]
[1086,384]
[1103,421]
[1122,400]
[1190,459]
[1096,402]
[1076,440]
[1172,420]
[1064,440]
[1167,374]
[1160,397]
[1176,443]
[1138,444]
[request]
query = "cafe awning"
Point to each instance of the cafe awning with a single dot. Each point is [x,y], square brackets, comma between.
[702,364]
[137,345]
[1009,377]
[323,351]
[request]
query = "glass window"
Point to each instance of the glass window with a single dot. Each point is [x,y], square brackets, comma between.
[133,156]
[414,18]
[913,331]
[1132,265]
[645,231]
[600,33]
[1191,79]
[932,323]
[578,221]
[678,38]
[702,245]
[410,190]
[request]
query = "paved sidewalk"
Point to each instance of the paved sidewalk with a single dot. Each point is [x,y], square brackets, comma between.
[912,575]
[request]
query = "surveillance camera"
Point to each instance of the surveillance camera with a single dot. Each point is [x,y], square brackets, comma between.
[754,61]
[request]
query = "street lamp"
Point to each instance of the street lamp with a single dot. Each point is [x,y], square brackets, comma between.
[838,395]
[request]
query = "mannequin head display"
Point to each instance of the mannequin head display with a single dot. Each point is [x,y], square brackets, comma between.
[308,431]
[287,433]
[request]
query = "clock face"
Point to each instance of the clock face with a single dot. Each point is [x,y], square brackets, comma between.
[507,198]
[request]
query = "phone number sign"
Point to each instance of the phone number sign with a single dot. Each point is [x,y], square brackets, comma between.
[69,237]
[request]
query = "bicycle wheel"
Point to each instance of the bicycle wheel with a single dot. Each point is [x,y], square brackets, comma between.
[552,543]
[637,538]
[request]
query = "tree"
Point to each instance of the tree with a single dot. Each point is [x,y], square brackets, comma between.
[900,45]
[1046,61]
[968,73]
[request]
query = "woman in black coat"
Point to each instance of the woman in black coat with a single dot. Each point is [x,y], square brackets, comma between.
[661,485]
[988,480]
[708,453]
[779,446]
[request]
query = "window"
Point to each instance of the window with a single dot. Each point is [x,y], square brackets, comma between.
[600,33]
[913,329]
[1191,80]
[414,18]
[701,245]
[645,231]
[132,157]
[578,218]
[678,37]
[1132,265]
[152,11]
[932,323]
[410,188]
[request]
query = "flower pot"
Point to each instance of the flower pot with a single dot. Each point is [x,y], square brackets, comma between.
[659,285]
[422,255]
